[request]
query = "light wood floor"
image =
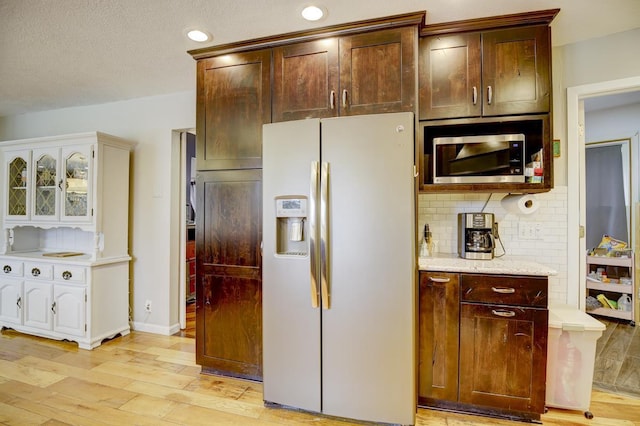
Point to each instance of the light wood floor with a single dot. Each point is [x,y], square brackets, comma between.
[147,379]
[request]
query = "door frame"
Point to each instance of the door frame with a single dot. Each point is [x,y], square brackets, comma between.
[576,206]
[178,225]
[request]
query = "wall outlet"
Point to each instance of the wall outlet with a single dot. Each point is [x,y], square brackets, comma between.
[530,230]
[147,306]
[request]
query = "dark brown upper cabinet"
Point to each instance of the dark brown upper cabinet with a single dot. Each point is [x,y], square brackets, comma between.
[486,76]
[305,80]
[233,102]
[367,73]
[489,73]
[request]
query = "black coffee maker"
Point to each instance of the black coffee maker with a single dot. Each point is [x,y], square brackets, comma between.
[475,236]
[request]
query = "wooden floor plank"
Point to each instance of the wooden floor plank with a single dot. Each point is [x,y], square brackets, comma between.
[108,396]
[11,415]
[66,370]
[200,399]
[26,374]
[55,415]
[144,405]
[149,374]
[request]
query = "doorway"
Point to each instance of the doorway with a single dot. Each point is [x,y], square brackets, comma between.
[615,363]
[183,226]
[576,220]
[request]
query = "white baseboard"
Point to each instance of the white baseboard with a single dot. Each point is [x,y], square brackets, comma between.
[155,329]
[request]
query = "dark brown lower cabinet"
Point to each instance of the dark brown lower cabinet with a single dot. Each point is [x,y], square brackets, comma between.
[483,343]
[438,336]
[228,265]
[503,354]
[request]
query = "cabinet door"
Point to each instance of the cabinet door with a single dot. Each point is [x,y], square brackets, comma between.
[516,71]
[233,102]
[305,80]
[18,188]
[38,305]
[228,265]
[449,74]
[378,72]
[77,176]
[503,356]
[11,301]
[438,336]
[47,184]
[69,310]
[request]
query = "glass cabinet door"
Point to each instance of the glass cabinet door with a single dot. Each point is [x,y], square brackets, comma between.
[45,175]
[75,202]
[17,181]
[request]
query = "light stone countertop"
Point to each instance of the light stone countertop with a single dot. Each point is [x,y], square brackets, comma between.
[501,265]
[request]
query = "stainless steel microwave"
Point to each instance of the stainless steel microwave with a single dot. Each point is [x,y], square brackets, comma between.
[479,159]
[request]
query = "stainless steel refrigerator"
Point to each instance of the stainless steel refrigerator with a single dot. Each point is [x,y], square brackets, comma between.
[339,266]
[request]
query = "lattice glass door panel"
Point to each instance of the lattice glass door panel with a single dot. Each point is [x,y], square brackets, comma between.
[17,193]
[77,183]
[45,195]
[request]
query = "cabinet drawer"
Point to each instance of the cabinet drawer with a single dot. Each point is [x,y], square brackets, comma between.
[40,271]
[504,290]
[70,274]
[12,268]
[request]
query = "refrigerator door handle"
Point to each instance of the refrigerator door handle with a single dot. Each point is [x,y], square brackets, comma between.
[313,192]
[324,236]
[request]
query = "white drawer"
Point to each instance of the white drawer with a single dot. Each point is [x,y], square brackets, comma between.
[70,274]
[11,268]
[38,271]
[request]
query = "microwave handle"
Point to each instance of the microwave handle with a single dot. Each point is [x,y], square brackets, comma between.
[475,95]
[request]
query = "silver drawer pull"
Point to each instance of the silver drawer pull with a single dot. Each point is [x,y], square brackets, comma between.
[506,314]
[66,275]
[439,279]
[7,269]
[503,290]
[35,272]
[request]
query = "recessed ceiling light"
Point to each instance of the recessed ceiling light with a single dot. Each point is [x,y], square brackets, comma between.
[198,35]
[312,13]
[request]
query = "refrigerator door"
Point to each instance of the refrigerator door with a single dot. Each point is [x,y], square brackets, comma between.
[291,325]
[368,347]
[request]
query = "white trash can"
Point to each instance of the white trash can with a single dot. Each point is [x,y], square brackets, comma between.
[571,353]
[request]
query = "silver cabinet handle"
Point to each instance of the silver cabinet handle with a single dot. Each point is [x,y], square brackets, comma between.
[7,269]
[35,272]
[505,314]
[489,95]
[53,308]
[19,302]
[439,279]
[475,95]
[66,275]
[344,98]
[324,236]
[332,99]
[313,260]
[503,290]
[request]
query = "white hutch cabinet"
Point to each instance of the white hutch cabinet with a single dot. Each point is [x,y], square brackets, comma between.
[64,258]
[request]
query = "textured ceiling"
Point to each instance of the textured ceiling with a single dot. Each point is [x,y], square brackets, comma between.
[63,53]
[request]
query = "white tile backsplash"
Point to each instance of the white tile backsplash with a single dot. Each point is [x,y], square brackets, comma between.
[440,211]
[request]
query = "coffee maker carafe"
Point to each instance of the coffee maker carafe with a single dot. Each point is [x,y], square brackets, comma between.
[475,236]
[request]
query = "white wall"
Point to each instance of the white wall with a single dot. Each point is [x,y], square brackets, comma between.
[591,61]
[149,122]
